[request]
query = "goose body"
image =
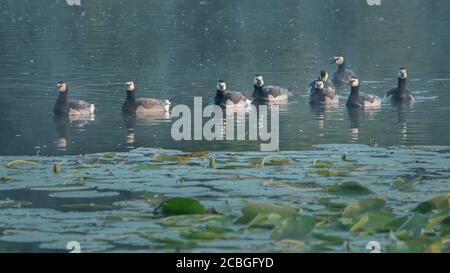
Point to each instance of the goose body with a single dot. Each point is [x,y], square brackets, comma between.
[229,98]
[400,94]
[328,85]
[142,106]
[357,100]
[319,96]
[342,76]
[64,106]
[268,93]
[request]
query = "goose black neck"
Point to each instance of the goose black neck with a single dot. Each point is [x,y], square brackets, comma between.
[342,67]
[259,88]
[219,93]
[354,91]
[130,96]
[62,98]
[62,104]
[402,85]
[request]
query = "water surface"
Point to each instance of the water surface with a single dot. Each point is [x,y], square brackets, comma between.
[178,49]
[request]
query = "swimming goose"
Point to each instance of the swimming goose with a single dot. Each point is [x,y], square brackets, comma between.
[229,98]
[328,85]
[268,93]
[400,94]
[320,96]
[363,101]
[342,76]
[64,106]
[142,106]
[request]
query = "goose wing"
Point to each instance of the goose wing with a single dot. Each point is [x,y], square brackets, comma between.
[149,103]
[234,96]
[276,91]
[80,105]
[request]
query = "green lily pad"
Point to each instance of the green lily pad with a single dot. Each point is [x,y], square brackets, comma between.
[436,203]
[413,226]
[182,206]
[109,155]
[265,220]
[211,233]
[348,188]
[359,207]
[374,221]
[293,228]
[251,210]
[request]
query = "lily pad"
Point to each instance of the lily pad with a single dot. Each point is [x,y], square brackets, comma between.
[348,188]
[293,228]
[414,225]
[211,233]
[359,207]
[182,206]
[16,163]
[374,221]
[251,210]
[436,203]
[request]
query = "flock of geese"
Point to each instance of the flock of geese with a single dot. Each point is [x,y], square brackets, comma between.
[322,91]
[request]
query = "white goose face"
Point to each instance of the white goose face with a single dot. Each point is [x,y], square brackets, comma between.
[61,87]
[402,74]
[221,86]
[339,60]
[319,85]
[259,81]
[354,82]
[130,86]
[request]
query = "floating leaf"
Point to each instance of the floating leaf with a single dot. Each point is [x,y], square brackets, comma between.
[211,233]
[274,161]
[374,221]
[328,239]
[348,188]
[171,241]
[407,183]
[293,228]
[6,179]
[319,164]
[265,220]
[16,163]
[182,206]
[359,207]
[413,226]
[251,210]
[290,244]
[194,154]
[436,203]
[327,173]
[109,155]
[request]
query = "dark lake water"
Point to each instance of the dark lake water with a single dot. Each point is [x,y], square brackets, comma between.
[178,49]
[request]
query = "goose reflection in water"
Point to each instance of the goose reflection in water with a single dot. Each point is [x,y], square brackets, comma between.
[319,112]
[353,114]
[150,119]
[402,111]
[62,125]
